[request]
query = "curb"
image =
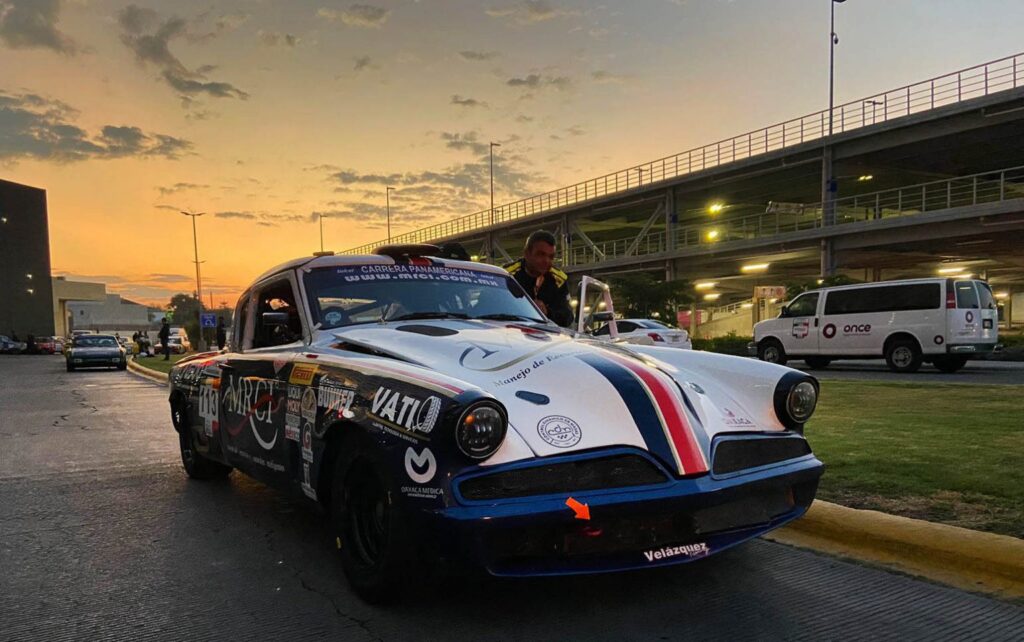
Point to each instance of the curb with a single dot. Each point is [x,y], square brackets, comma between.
[960,557]
[146,373]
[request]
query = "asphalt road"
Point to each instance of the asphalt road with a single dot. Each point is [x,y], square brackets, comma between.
[975,372]
[103,537]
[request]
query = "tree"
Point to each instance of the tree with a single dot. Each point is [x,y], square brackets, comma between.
[186,314]
[642,294]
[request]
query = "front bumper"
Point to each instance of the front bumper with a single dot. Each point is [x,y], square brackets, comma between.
[96,361]
[669,523]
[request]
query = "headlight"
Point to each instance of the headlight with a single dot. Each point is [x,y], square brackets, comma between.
[796,396]
[480,430]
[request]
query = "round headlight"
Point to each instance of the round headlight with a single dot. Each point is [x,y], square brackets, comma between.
[803,397]
[480,431]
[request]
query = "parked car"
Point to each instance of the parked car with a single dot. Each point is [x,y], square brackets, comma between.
[95,351]
[10,346]
[127,344]
[944,322]
[647,332]
[47,345]
[179,344]
[437,415]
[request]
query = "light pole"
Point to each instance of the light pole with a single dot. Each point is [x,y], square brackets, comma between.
[493,145]
[321,216]
[827,181]
[387,196]
[199,282]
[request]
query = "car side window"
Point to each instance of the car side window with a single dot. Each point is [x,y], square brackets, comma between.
[603,330]
[805,305]
[625,326]
[238,338]
[276,297]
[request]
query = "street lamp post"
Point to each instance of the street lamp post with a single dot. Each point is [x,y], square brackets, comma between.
[387,196]
[828,182]
[321,215]
[199,282]
[493,145]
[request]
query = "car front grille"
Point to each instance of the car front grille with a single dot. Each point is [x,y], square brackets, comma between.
[617,471]
[732,455]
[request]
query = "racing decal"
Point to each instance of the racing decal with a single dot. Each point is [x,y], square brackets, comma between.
[700,549]
[475,358]
[559,431]
[307,441]
[251,400]
[307,488]
[307,407]
[801,328]
[729,418]
[303,373]
[410,415]
[420,467]
[334,398]
[829,331]
[656,411]
[293,413]
[208,412]
[420,271]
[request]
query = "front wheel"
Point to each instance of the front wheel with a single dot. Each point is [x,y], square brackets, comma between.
[817,363]
[196,465]
[903,356]
[771,351]
[949,365]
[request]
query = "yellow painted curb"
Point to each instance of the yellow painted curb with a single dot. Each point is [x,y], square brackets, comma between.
[960,557]
[142,371]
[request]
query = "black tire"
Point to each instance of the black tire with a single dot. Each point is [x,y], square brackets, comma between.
[949,365]
[817,363]
[771,350]
[903,355]
[376,554]
[196,465]
[123,365]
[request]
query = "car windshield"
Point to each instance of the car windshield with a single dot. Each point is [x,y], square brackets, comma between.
[653,325]
[351,294]
[85,341]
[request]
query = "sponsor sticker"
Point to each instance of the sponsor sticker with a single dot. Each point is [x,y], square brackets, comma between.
[307,408]
[208,410]
[303,373]
[559,431]
[420,467]
[969,316]
[307,441]
[857,329]
[293,414]
[829,331]
[700,549]
[251,400]
[729,418]
[334,398]
[307,488]
[801,328]
[406,412]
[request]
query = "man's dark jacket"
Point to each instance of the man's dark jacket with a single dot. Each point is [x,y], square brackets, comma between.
[553,291]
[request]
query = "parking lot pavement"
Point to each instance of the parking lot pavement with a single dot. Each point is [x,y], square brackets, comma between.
[102,536]
[975,372]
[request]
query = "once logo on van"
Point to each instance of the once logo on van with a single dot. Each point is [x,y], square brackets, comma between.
[855,329]
[829,331]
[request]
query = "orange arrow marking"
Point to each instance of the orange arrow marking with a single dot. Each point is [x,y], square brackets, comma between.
[582,510]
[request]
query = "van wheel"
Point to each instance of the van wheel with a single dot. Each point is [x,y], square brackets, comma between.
[903,355]
[771,351]
[949,365]
[817,363]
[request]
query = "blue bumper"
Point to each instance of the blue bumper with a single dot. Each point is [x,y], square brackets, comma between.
[640,527]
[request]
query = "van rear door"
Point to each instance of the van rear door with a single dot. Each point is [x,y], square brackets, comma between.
[973,319]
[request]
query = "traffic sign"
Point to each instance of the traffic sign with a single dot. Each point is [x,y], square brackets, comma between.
[208,320]
[770,292]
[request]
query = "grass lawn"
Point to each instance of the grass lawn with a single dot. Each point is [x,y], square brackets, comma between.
[945,453]
[158,363]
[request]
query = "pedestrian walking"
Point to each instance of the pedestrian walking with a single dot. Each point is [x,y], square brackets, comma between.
[165,339]
[222,333]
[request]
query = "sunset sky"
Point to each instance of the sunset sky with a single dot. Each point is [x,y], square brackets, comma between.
[264,112]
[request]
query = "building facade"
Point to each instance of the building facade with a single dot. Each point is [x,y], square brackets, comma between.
[26,296]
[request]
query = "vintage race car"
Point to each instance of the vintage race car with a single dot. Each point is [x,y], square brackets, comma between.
[437,416]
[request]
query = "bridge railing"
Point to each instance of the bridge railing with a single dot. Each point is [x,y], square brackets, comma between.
[974,189]
[972,82]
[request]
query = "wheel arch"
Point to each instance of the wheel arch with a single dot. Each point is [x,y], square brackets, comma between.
[901,334]
[341,434]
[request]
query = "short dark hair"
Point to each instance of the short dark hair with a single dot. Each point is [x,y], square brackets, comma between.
[539,236]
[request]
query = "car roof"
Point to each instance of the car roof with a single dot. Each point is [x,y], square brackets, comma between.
[315,262]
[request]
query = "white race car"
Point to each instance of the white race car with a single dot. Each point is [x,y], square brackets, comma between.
[436,414]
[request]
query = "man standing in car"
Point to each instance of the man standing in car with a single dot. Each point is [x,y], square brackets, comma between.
[536,273]
[222,333]
[165,339]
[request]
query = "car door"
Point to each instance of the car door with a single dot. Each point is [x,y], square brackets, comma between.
[254,386]
[802,314]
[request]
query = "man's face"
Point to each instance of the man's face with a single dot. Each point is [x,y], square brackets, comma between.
[540,257]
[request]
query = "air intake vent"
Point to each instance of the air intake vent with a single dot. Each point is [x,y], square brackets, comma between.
[732,455]
[564,477]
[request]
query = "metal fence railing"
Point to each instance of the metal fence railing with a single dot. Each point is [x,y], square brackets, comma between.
[974,189]
[972,82]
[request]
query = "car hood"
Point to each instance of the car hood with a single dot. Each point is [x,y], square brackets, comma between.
[566,394]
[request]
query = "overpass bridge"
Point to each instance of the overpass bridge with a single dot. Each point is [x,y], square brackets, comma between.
[925,177]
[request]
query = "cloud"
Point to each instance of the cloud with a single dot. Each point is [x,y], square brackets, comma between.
[167,278]
[465,141]
[477,56]
[536,81]
[274,39]
[32,24]
[249,216]
[531,12]
[522,118]
[603,77]
[358,15]
[468,102]
[149,38]
[363,62]
[179,187]
[221,25]
[33,127]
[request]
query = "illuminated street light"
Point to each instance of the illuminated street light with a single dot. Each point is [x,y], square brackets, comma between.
[755,267]
[864,177]
[705,285]
[712,296]
[747,305]
[953,270]
[30,291]
[712,235]
[716,208]
[1002,295]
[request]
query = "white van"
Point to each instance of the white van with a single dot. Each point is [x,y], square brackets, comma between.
[940,321]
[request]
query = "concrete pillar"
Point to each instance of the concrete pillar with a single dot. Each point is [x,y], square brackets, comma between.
[828,259]
[671,219]
[828,195]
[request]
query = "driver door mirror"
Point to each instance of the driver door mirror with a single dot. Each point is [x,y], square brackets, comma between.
[271,319]
[784,312]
